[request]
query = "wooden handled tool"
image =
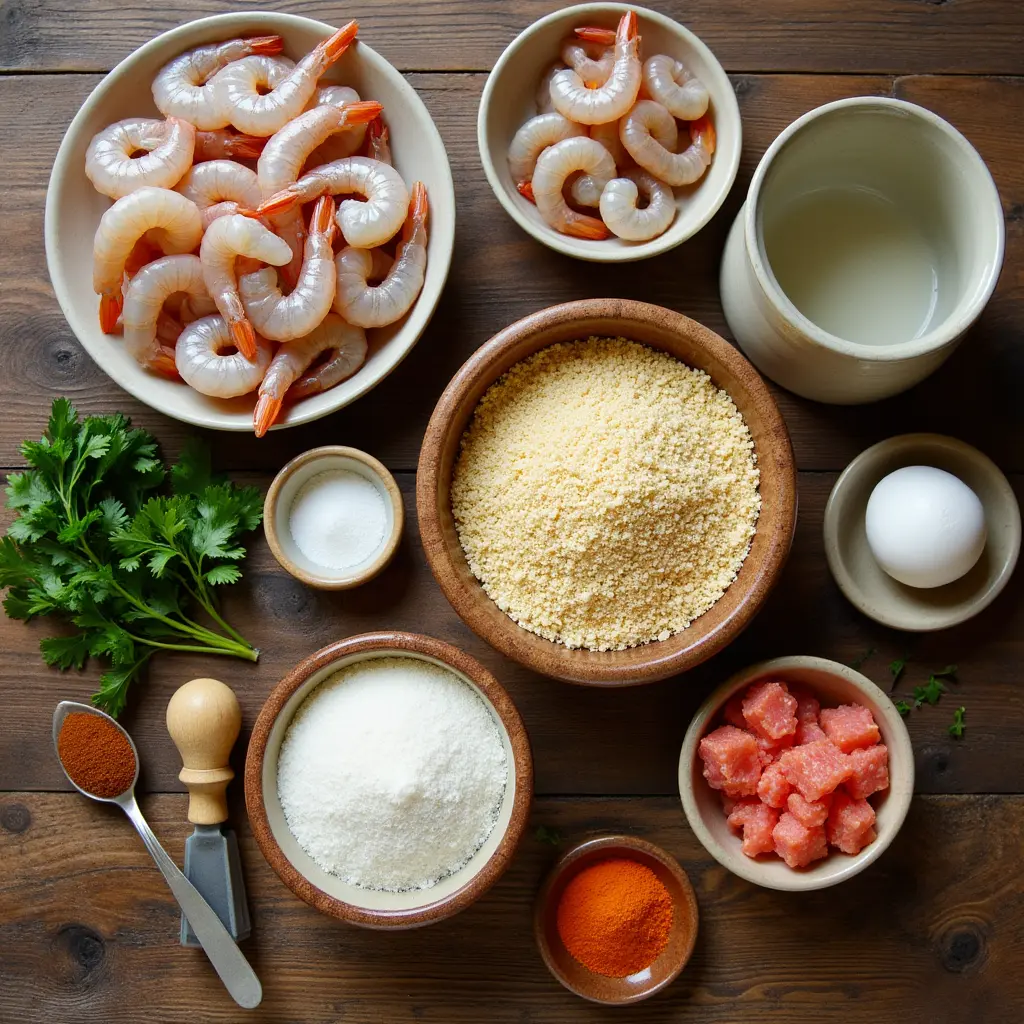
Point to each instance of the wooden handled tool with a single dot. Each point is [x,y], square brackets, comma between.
[203,718]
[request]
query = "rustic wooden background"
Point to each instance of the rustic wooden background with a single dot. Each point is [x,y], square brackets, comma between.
[933,933]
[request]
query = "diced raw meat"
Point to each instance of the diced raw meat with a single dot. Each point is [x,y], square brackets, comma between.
[769,750]
[774,787]
[809,732]
[851,823]
[756,820]
[870,771]
[732,713]
[807,706]
[796,844]
[769,710]
[730,761]
[816,768]
[809,814]
[850,726]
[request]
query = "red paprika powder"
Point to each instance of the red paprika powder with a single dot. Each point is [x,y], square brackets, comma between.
[96,754]
[615,916]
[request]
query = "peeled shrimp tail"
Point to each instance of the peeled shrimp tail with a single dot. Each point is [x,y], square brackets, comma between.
[345,347]
[608,102]
[283,318]
[366,305]
[227,145]
[226,239]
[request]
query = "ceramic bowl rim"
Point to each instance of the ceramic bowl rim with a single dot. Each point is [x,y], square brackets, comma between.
[399,643]
[63,168]
[564,243]
[837,563]
[749,868]
[504,634]
[272,527]
[613,843]
[954,326]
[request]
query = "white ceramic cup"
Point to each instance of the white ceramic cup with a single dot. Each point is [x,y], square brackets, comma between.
[871,239]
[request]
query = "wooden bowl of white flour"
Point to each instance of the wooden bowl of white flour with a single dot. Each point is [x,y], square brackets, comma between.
[389,780]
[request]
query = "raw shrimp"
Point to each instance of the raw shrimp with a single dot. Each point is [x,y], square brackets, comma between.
[378,144]
[225,239]
[590,53]
[668,82]
[608,135]
[144,302]
[544,104]
[208,360]
[220,183]
[174,224]
[286,151]
[572,98]
[364,224]
[586,191]
[345,349]
[224,144]
[237,95]
[533,138]
[166,147]
[366,305]
[343,143]
[554,166]
[652,155]
[180,87]
[282,318]
[620,212]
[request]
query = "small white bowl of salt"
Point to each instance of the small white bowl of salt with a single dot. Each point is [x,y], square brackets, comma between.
[333,517]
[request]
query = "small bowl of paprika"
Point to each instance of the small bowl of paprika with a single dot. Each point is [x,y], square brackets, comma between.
[616,920]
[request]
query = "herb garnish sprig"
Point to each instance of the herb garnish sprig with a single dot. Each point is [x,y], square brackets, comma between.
[96,541]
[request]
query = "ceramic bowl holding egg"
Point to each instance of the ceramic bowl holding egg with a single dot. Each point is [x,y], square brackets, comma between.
[509,99]
[333,517]
[922,532]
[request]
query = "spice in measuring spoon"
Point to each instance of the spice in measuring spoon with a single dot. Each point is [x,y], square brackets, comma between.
[96,755]
[338,519]
[615,916]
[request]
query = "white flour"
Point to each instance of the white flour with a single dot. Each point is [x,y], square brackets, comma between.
[337,519]
[392,773]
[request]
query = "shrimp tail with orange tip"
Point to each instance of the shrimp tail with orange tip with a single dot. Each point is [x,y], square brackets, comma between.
[378,146]
[702,133]
[525,189]
[225,144]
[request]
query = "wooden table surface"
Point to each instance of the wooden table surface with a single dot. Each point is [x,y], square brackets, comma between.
[934,932]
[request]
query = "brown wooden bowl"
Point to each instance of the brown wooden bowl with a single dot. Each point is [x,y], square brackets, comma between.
[328,893]
[694,345]
[568,970]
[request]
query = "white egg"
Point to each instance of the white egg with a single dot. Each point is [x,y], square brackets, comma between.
[925,526]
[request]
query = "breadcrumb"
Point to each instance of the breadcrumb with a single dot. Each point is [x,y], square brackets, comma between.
[605,493]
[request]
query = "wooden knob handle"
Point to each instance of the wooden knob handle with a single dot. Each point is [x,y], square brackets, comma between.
[203,718]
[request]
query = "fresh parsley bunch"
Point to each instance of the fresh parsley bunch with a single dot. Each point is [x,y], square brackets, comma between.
[97,541]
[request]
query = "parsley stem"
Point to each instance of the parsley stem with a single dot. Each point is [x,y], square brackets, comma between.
[234,650]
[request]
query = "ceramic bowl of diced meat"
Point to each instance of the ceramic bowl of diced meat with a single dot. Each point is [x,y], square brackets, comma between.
[797,773]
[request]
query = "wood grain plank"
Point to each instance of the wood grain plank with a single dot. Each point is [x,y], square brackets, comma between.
[584,740]
[500,274]
[89,930]
[966,36]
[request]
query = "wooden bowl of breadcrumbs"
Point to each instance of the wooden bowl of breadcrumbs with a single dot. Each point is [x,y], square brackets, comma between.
[606,492]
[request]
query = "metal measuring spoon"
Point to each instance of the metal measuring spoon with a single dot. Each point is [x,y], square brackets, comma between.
[234,970]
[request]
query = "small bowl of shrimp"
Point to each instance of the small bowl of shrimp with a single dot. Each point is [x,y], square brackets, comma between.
[609,132]
[200,232]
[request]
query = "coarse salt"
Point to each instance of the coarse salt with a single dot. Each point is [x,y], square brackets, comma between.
[392,774]
[337,519]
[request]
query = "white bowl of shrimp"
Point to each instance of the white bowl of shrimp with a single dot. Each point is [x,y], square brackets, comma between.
[184,175]
[609,132]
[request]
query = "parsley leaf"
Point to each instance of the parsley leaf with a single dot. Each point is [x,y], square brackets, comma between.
[956,730]
[930,692]
[902,707]
[550,836]
[896,670]
[96,541]
[949,672]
